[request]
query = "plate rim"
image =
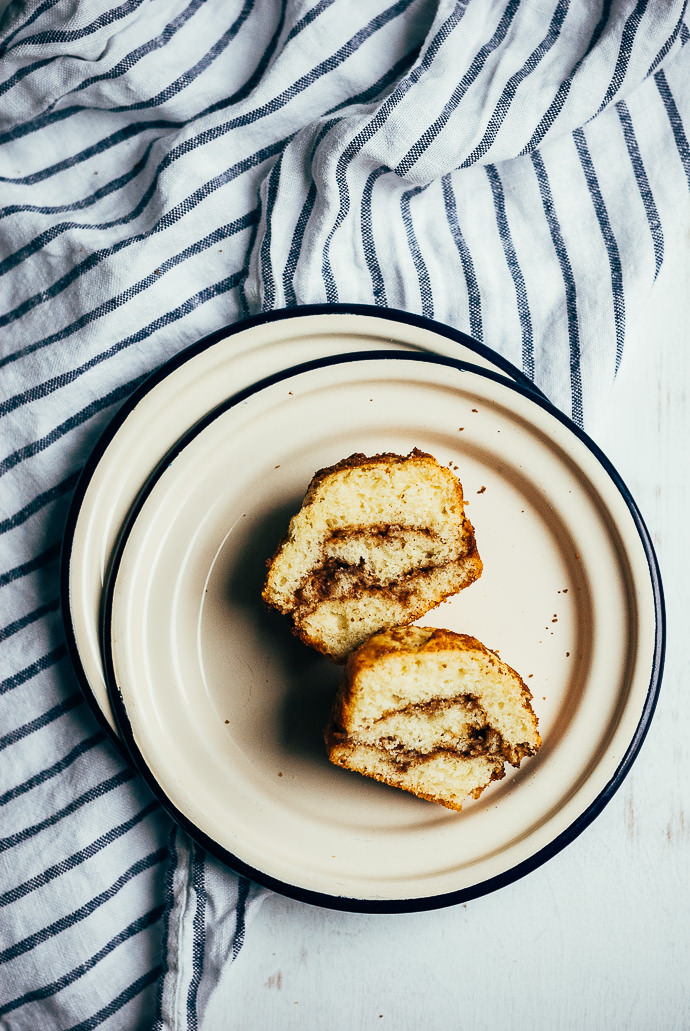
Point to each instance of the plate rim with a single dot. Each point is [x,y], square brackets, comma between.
[544,853]
[177,361]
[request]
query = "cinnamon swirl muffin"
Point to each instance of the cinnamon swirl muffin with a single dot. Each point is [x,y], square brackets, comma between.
[377,542]
[432,712]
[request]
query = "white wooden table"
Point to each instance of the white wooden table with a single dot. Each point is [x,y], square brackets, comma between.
[598,937]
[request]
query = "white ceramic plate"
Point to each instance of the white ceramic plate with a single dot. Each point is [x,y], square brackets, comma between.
[223,709]
[173,400]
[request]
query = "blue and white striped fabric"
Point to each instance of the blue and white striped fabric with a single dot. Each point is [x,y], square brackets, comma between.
[508,167]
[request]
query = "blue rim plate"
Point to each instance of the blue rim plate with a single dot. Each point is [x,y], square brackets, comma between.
[221,709]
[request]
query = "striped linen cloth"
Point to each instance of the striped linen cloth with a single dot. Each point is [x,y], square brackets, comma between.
[507,167]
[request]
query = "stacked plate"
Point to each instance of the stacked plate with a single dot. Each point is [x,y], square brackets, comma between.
[222,710]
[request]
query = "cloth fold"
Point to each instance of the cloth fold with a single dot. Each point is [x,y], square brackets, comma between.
[509,168]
